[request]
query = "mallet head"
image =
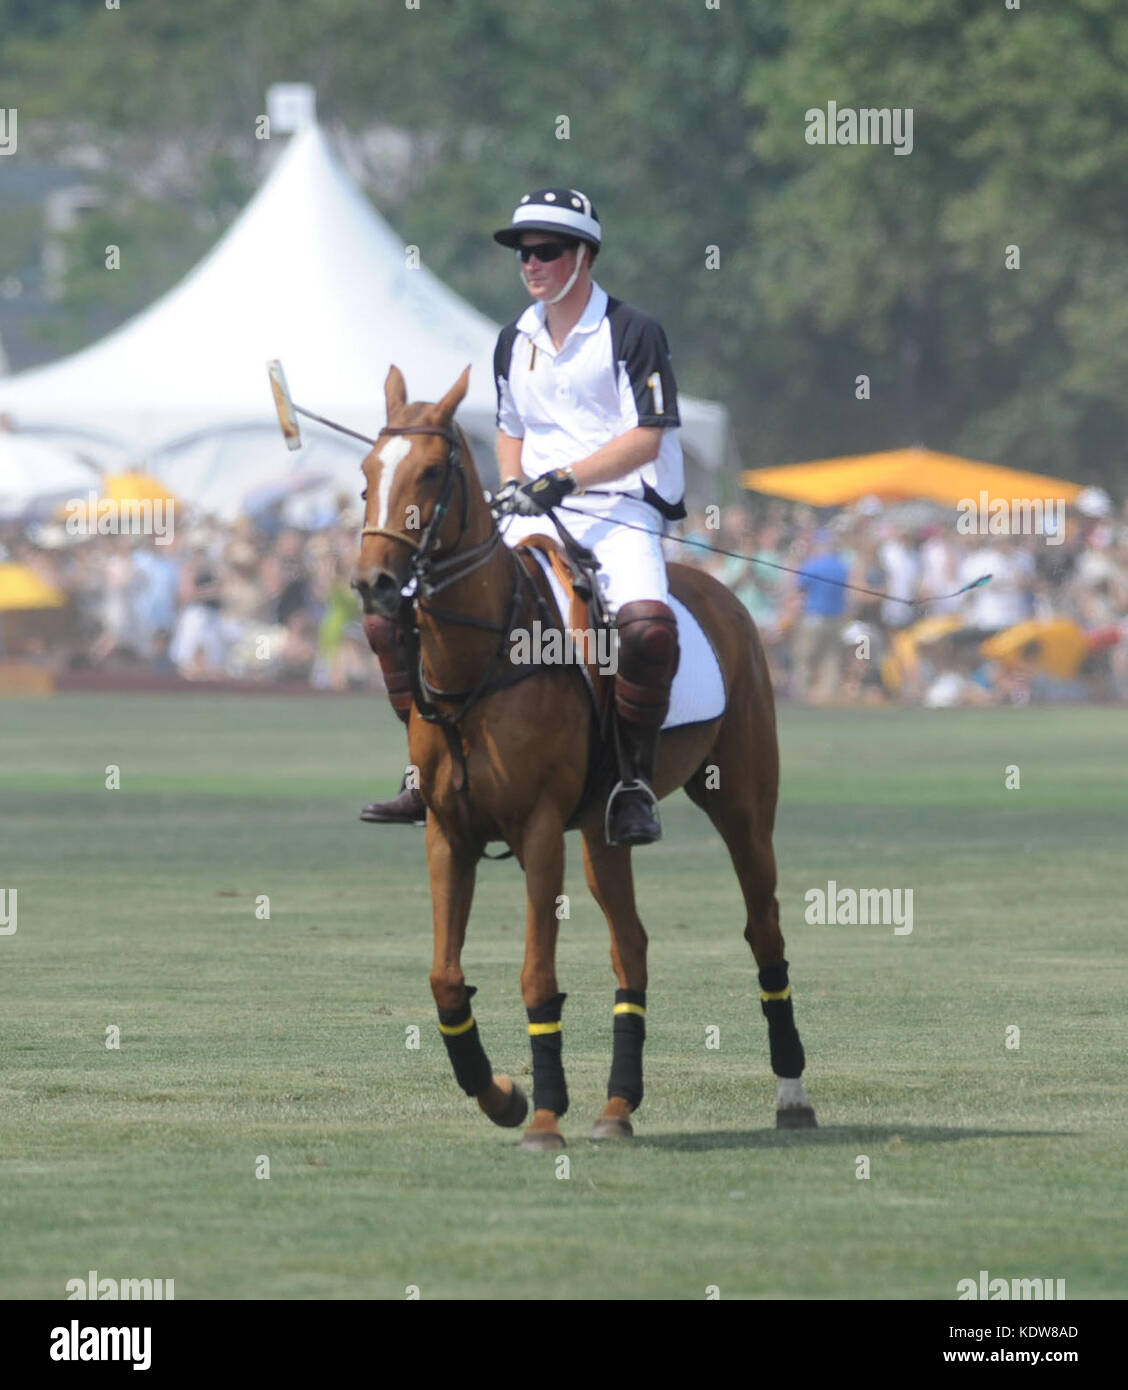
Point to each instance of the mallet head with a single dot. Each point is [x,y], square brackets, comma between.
[287,416]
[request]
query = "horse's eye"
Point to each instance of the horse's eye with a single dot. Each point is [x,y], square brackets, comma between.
[364,495]
[431,472]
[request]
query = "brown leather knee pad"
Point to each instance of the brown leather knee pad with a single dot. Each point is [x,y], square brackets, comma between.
[385,639]
[648,661]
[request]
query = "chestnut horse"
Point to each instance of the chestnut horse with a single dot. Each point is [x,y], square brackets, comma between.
[503,754]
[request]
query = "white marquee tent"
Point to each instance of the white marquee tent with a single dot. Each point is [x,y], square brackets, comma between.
[311,274]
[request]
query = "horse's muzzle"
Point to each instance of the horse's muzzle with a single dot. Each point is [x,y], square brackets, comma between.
[379,592]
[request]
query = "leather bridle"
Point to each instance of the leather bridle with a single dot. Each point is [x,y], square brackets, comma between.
[433,571]
[427,565]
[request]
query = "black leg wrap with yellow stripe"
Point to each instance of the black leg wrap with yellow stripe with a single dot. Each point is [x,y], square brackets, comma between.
[547,1042]
[788,1060]
[464,1047]
[628,1036]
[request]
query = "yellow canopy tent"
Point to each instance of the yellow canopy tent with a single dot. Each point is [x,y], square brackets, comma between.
[22,592]
[901,475]
[1057,646]
[121,491]
[22,589]
[129,487]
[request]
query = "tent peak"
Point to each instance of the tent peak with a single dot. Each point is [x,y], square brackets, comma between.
[291,107]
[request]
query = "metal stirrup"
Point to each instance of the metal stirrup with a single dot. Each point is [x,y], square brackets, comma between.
[637,785]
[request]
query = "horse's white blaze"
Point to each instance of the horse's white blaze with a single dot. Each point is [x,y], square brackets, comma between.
[391,455]
[792,1094]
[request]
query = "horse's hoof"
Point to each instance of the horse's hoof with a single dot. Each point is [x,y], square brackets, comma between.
[516,1106]
[515,1111]
[796,1117]
[610,1128]
[538,1141]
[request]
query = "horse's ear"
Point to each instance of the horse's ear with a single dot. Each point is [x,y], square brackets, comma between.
[395,390]
[453,398]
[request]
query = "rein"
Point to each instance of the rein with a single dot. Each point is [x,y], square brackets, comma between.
[920,603]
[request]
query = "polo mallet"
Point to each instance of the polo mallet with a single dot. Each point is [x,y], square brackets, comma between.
[288,411]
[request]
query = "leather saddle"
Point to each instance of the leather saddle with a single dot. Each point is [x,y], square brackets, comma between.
[586,615]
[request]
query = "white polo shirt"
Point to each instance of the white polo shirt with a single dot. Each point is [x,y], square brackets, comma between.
[611,374]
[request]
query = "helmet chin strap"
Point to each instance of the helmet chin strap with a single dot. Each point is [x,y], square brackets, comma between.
[575,273]
[571,278]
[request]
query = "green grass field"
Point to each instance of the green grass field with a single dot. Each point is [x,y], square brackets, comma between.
[285,1037]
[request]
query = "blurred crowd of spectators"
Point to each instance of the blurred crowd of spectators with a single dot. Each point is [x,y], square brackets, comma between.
[218,602]
[1065,603]
[243,601]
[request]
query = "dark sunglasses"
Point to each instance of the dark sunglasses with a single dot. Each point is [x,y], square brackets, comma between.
[545,251]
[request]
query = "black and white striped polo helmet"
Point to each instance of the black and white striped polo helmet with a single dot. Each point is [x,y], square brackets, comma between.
[566,211]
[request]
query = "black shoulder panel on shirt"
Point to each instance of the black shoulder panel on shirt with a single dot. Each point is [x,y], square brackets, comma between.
[639,341]
[503,351]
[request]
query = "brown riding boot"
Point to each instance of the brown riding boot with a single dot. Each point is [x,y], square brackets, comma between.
[408,808]
[648,662]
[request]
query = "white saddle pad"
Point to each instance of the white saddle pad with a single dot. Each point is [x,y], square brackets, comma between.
[698,692]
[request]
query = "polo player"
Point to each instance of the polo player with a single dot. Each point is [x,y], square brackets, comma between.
[587,417]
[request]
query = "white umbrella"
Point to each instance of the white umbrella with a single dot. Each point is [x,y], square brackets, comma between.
[36,475]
